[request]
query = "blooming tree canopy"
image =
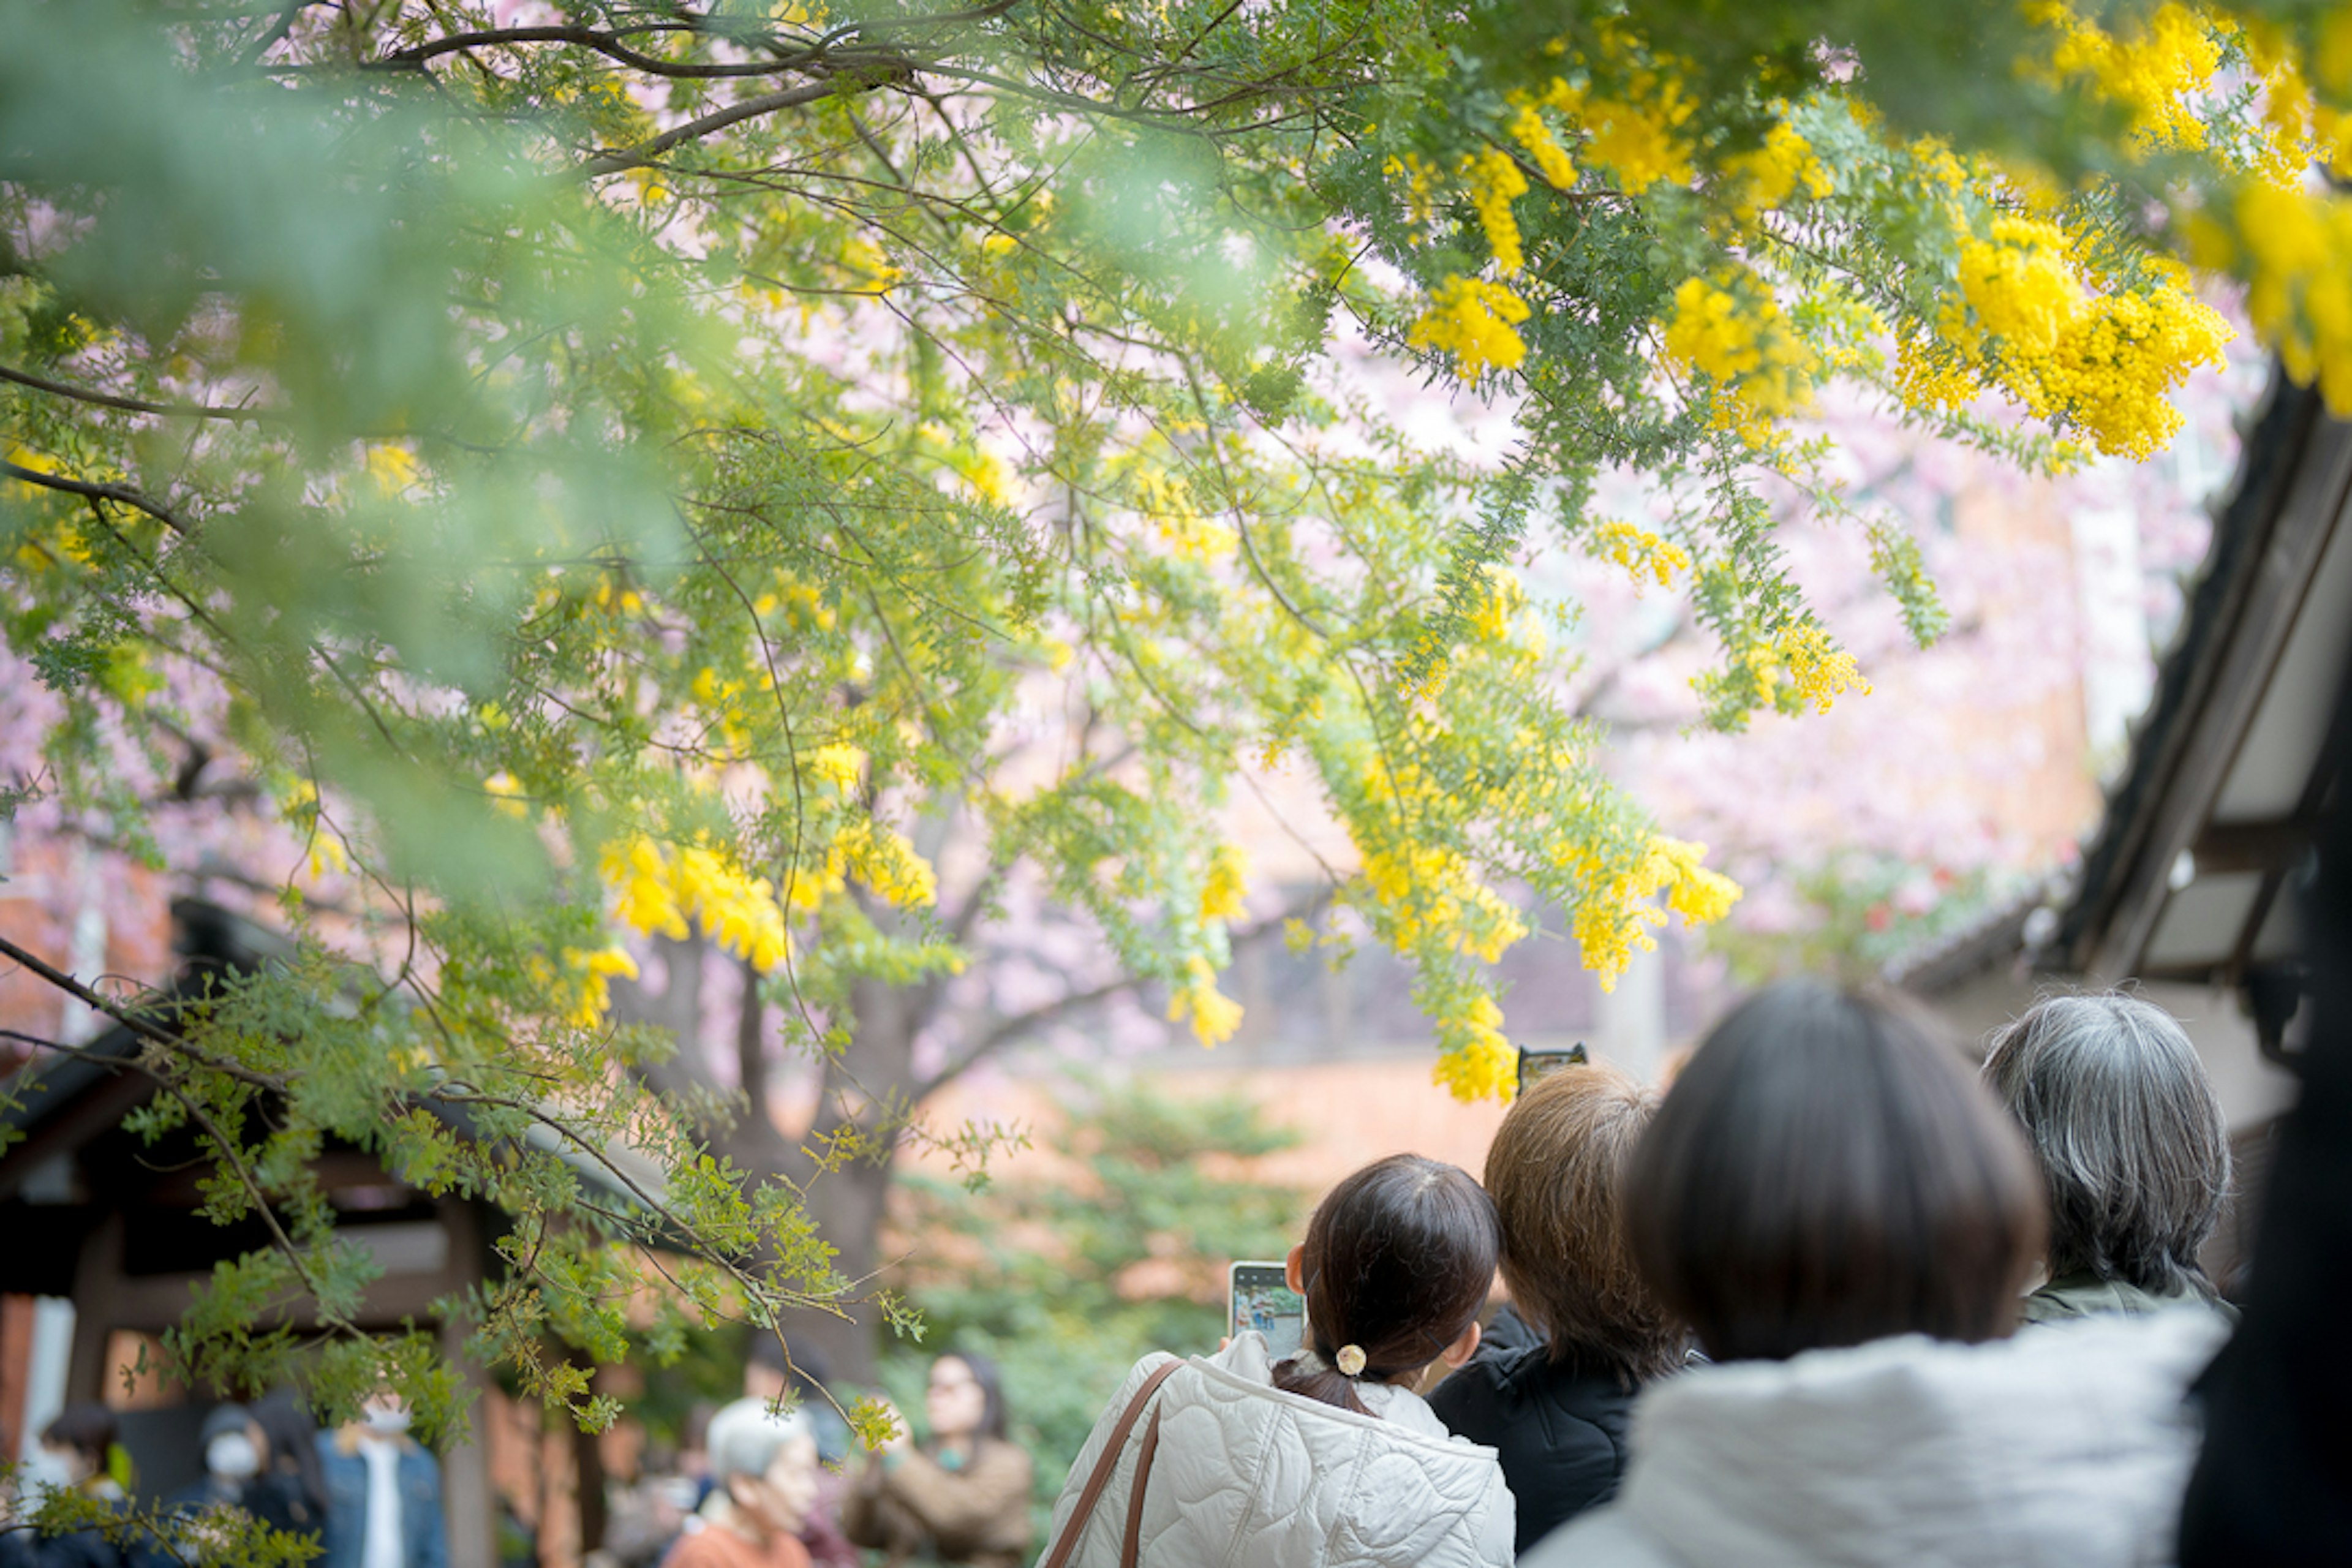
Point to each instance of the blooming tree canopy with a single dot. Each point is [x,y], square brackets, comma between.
[613,470]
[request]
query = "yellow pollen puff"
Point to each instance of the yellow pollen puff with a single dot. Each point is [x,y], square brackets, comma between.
[1529,130]
[1641,552]
[1224,893]
[838,763]
[1495,182]
[1472,319]
[1475,1060]
[1215,1015]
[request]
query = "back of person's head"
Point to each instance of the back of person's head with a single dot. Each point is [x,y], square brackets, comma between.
[2128,1132]
[1398,1259]
[1825,1173]
[744,1436]
[1557,1174]
[85,1426]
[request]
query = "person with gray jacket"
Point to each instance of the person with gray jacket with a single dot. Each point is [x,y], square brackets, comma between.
[1847,1220]
[2133,1148]
[1329,1459]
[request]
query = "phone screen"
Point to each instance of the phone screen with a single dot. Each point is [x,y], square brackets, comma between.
[1537,1066]
[1262,1299]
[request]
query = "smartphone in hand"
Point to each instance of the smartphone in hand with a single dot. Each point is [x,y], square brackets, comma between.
[1260,1298]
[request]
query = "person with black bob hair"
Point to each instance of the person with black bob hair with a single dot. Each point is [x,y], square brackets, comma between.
[1846,1219]
[963,1496]
[1329,1459]
[2134,1150]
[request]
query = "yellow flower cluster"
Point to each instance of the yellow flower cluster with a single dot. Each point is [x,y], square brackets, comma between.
[1641,552]
[1472,319]
[1768,176]
[1818,670]
[837,763]
[592,973]
[1427,892]
[1500,607]
[883,859]
[1215,1015]
[1168,500]
[1493,182]
[2026,323]
[1743,346]
[659,888]
[2297,128]
[1529,130]
[1474,1059]
[2296,245]
[1638,138]
[1615,919]
[1225,892]
[1420,195]
[2021,284]
[2122,355]
[2155,71]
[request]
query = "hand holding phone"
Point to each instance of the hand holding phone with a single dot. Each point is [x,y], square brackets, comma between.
[1259,1297]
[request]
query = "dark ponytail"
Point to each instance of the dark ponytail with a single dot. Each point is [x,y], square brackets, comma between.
[1399,1258]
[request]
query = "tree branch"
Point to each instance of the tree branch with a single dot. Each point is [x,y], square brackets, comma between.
[121,494]
[138,405]
[1011,1029]
[749,109]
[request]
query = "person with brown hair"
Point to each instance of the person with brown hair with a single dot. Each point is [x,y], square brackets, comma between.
[964,1497]
[1846,1219]
[1552,1397]
[1329,1459]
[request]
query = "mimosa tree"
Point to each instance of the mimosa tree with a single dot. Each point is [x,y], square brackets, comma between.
[616,470]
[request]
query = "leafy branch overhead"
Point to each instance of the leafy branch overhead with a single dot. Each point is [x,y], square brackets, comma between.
[613,473]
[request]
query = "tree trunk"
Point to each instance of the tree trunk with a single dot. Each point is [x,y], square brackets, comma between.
[849,1205]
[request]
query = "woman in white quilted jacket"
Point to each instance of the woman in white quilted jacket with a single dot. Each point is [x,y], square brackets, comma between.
[1328,1459]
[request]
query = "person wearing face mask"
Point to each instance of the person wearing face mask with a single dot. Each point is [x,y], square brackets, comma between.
[763,1469]
[966,1496]
[384,1493]
[236,1454]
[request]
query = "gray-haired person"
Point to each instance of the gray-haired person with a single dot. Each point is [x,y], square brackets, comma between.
[2132,1142]
[764,1472]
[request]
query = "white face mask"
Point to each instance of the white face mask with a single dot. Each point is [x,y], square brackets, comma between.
[231,1456]
[387,1420]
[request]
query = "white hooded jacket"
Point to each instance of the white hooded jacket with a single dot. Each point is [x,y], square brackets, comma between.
[1247,1474]
[2064,1447]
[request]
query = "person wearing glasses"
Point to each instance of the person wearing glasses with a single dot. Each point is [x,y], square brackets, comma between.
[963,1496]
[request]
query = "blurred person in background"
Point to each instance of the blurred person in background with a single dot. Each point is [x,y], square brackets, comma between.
[1846,1219]
[2134,1150]
[237,1454]
[77,1456]
[1329,1459]
[383,1492]
[763,1478]
[777,1366]
[964,1496]
[292,1485]
[1553,1399]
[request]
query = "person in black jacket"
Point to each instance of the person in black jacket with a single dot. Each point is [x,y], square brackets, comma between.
[1551,1386]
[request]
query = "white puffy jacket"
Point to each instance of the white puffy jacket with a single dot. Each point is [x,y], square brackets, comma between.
[1246,1474]
[2066,1447]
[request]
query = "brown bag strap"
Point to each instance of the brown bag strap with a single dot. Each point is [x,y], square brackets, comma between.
[1108,1461]
[1132,1547]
